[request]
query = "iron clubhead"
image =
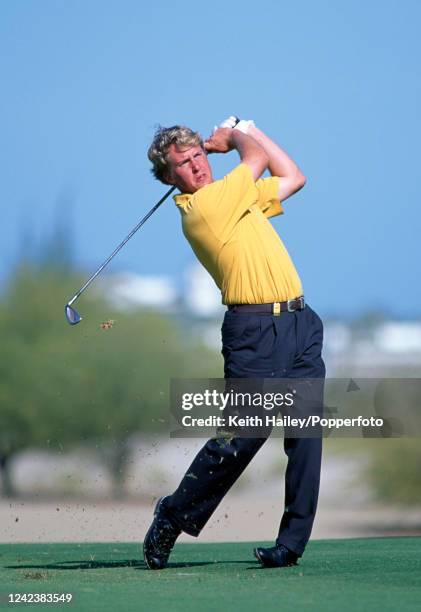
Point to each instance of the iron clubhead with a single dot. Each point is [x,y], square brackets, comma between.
[72,315]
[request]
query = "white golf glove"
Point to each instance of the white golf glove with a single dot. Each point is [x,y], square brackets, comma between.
[236,124]
[244,125]
[231,122]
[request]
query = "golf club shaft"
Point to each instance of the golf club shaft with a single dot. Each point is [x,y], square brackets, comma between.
[120,246]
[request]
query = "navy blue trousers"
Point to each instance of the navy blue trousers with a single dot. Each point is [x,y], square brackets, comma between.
[260,346]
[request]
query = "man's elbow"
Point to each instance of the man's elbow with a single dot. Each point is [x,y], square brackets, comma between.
[300,180]
[295,180]
[290,185]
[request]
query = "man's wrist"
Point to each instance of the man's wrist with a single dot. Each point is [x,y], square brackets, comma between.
[244,144]
[236,138]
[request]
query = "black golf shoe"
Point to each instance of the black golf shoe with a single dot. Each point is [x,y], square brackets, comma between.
[160,539]
[277,556]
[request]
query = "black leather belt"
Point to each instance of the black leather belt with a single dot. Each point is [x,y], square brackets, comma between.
[275,308]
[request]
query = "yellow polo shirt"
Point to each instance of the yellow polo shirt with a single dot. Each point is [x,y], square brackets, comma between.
[226,224]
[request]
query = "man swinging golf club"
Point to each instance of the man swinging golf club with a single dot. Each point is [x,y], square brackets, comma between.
[268,329]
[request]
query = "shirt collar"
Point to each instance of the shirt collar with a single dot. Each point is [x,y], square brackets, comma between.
[182,200]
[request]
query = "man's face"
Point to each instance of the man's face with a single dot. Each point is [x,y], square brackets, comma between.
[189,169]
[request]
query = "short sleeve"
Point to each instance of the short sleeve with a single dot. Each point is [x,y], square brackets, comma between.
[224,202]
[268,202]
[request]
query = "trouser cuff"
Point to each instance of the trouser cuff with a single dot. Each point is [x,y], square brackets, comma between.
[185,526]
[292,546]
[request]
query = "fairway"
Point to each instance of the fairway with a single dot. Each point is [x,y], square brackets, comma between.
[355,574]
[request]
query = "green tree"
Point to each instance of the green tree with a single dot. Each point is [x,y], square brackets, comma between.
[62,386]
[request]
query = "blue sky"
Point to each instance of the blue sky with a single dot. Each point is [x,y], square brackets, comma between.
[337,84]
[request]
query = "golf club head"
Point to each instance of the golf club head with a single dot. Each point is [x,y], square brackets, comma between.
[72,315]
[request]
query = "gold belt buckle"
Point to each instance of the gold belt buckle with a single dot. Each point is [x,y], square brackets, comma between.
[276,309]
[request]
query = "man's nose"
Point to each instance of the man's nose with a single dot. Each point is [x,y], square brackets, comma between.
[194,165]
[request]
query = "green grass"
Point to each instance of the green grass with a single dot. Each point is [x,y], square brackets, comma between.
[357,574]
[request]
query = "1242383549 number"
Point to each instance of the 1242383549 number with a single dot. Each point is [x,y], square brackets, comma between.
[16,598]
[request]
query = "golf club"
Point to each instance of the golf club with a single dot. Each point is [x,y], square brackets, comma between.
[72,316]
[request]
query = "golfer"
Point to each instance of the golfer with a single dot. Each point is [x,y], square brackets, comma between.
[268,330]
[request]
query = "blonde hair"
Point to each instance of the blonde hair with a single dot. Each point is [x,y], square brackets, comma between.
[179,135]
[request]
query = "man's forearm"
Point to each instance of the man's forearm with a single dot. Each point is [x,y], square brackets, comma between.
[251,152]
[280,164]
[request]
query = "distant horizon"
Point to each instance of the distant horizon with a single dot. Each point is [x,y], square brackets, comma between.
[179,281]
